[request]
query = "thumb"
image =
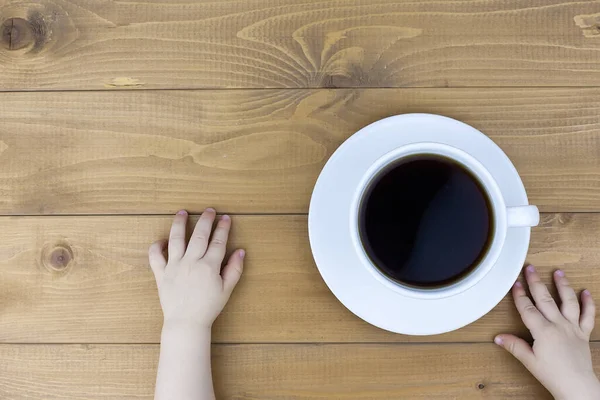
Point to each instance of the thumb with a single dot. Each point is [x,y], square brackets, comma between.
[232,272]
[518,347]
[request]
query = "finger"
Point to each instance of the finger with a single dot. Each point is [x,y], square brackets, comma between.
[531,316]
[157,259]
[232,272]
[588,313]
[519,348]
[199,239]
[218,243]
[177,236]
[542,297]
[569,303]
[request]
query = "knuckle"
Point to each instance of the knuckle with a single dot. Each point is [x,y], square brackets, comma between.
[238,269]
[546,298]
[201,237]
[218,241]
[530,309]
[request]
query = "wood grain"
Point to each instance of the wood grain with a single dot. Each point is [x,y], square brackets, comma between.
[260,151]
[355,371]
[86,280]
[60,44]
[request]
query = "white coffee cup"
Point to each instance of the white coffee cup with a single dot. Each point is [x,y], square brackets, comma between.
[351,275]
[504,217]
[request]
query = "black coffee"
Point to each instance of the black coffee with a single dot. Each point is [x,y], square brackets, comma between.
[425,221]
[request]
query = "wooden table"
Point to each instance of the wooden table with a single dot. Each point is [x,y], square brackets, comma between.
[115,114]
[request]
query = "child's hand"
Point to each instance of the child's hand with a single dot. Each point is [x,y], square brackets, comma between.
[560,357]
[192,288]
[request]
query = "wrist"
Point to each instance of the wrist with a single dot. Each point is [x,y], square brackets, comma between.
[183,330]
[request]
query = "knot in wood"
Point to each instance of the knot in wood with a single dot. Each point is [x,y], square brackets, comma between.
[17,33]
[57,257]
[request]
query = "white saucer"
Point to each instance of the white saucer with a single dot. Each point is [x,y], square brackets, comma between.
[337,258]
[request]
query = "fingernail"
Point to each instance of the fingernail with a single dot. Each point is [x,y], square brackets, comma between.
[242,254]
[518,284]
[210,209]
[182,212]
[586,293]
[530,268]
[225,217]
[560,273]
[498,340]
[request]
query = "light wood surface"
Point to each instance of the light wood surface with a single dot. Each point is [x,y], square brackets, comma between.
[260,151]
[79,44]
[270,372]
[86,280]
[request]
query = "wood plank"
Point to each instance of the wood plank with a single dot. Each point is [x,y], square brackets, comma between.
[351,371]
[60,44]
[260,151]
[86,280]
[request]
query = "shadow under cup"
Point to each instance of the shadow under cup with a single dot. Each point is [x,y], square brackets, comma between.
[425,221]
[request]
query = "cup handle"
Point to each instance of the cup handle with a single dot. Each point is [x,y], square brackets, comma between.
[522,216]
